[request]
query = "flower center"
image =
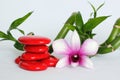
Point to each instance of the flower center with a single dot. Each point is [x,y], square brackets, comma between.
[75,58]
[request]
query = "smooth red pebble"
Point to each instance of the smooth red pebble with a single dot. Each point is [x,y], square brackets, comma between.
[17,60]
[33,65]
[36,48]
[33,40]
[34,56]
[51,61]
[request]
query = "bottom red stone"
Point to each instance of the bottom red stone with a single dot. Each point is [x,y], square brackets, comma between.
[33,65]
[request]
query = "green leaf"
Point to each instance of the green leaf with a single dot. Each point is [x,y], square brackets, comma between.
[92,35]
[94,13]
[79,22]
[100,6]
[3,35]
[18,46]
[3,39]
[91,14]
[92,7]
[92,23]
[10,36]
[19,21]
[21,31]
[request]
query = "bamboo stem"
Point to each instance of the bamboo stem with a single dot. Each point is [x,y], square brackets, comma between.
[115,32]
[113,41]
[115,44]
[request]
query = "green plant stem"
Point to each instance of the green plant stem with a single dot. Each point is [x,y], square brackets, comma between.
[11,37]
[65,29]
[113,35]
[115,44]
[113,41]
[95,14]
[115,32]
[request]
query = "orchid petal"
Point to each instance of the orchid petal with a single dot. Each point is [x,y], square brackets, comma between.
[61,47]
[86,62]
[89,47]
[63,62]
[74,64]
[75,41]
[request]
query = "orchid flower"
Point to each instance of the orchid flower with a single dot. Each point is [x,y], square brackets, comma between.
[75,54]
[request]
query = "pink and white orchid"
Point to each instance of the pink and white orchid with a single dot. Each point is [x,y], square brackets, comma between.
[75,54]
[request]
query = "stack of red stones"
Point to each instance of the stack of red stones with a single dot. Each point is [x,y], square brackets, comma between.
[36,56]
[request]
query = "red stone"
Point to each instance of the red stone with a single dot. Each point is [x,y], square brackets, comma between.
[33,65]
[51,61]
[34,56]
[17,60]
[36,48]
[33,40]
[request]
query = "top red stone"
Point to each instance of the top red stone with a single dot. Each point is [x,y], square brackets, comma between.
[34,40]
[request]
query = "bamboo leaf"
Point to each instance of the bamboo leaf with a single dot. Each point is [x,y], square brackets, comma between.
[92,35]
[94,13]
[100,6]
[3,39]
[3,35]
[21,31]
[18,46]
[10,36]
[79,21]
[92,7]
[92,23]
[94,10]
[91,14]
[19,21]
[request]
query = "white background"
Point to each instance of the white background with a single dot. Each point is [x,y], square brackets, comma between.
[47,19]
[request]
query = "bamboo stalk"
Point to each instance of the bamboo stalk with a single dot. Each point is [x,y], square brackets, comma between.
[113,41]
[115,44]
[115,31]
